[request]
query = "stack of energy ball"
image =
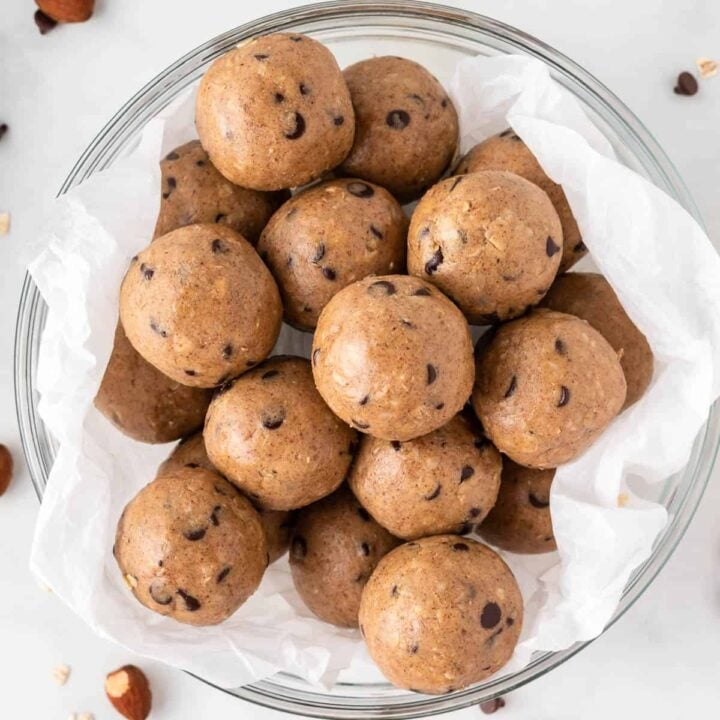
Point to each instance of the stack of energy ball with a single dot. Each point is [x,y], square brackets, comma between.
[374,457]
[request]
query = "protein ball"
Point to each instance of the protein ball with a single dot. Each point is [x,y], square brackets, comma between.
[547,386]
[443,482]
[392,356]
[520,520]
[326,238]
[272,435]
[191,547]
[492,241]
[200,305]
[590,297]
[335,547]
[507,151]
[441,613]
[143,403]
[190,452]
[275,112]
[406,126]
[193,191]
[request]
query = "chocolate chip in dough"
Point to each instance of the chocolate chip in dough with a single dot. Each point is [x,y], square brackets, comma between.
[434,262]
[269,374]
[381,287]
[537,502]
[158,592]
[223,574]
[360,189]
[329,273]
[551,247]
[422,292]
[376,232]
[191,603]
[432,373]
[435,493]
[273,419]
[295,126]
[512,387]
[227,351]
[214,515]
[397,119]
[194,535]
[491,615]
[466,473]
[319,253]
[172,155]
[564,396]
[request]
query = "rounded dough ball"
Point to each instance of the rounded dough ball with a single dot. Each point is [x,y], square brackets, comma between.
[191,547]
[547,385]
[392,356]
[200,305]
[193,191]
[334,549]
[507,151]
[443,482]
[272,435]
[406,126]
[142,402]
[492,241]
[441,613]
[190,452]
[275,113]
[520,521]
[326,238]
[590,297]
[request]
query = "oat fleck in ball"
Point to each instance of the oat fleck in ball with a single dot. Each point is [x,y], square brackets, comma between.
[200,305]
[275,113]
[492,241]
[142,402]
[335,547]
[406,126]
[193,191]
[392,356]
[443,482]
[590,297]
[326,238]
[507,151]
[191,547]
[441,613]
[272,435]
[547,386]
[190,452]
[520,521]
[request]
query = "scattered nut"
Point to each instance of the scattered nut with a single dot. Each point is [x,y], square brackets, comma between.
[707,68]
[129,692]
[4,223]
[60,674]
[44,23]
[67,11]
[6,468]
[492,706]
[81,716]
[623,499]
[686,84]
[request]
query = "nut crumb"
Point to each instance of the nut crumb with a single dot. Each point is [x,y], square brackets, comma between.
[4,223]
[707,68]
[60,674]
[623,499]
[85,716]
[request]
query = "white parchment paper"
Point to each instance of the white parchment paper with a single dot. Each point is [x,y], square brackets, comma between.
[657,258]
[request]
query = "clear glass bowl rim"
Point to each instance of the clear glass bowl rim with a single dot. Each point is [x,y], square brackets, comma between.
[38,446]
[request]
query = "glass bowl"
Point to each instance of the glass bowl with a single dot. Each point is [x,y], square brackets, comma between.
[437,36]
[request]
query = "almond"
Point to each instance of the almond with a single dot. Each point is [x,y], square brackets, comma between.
[6,468]
[129,692]
[67,11]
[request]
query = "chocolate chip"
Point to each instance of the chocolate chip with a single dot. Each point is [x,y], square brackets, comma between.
[536,502]
[397,119]
[580,247]
[394,591]
[304,89]
[456,182]
[686,84]
[474,512]
[227,352]
[220,217]
[296,38]
[560,347]
[298,547]
[297,126]
[44,23]
[338,120]
[414,648]
[466,473]
[364,514]
[461,547]
[465,528]
[381,287]
[360,189]
[407,324]
[491,706]
[377,233]
[434,262]
[273,419]
[160,562]
[194,535]
[328,273]
[319,253]
[191,604]
[548,538]
[158,592]
[192,466]
[491,615]
[506,133]
[434,493]
[365,549]
[214,515]
[172,156]
[199,163]
[512,387]
[424,231]
[551,247]
[440,406]
[134,258]
[432,374]
[444,103]
[217,246]
[416,98]
[315,354]
[360,425]
[261,56]
[191,373]
[157,329]
[395,445]
[223,574]
[147,272]
[509,622]
[269,374]
[289,261]
[564,396]
[422,292]
[172,184]
[364,400]
[279,97]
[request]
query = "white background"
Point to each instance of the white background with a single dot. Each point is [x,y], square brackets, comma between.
[662,659]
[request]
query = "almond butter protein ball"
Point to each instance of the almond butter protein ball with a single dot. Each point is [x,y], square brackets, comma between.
[271,434]
[443,482]
[441,613]
[491,241]
[392,356]
[547,385]
[190,452]
[506,151]
[326,238]
[200,305]
[335,547]
[406,126]
[275,112]
[193,191]
[191,547]
[589,296]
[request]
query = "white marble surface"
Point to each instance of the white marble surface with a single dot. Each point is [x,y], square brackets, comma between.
[56,92]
